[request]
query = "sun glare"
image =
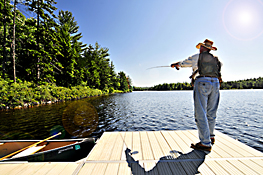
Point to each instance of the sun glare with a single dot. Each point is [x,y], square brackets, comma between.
[242,19]
[245,18]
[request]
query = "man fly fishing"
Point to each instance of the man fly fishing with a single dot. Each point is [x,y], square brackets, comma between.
[206,79]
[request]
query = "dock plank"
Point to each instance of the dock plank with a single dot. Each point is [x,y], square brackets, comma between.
[96,151]
[44,169]
[57,168]
[229,167]
[112,169]
[246,151]
[146,147]
[204,169]
[253,165]
[69,169]
[99,169]
[118,148]
[136,146]
[10,168]
[106,152]
[226,151]
[127,143]
[180,140]
[258,162]
[87,169]
[174,146]
[216,168]
[242,167]
[33,168]
[124,169]
[16,168]
[162,143]
[156,148]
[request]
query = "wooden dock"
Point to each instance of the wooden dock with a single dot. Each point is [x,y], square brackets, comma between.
[153,152]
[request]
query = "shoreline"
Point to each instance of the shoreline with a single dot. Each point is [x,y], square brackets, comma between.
[50,102]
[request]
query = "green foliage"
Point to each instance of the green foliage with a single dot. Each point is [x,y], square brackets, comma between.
[15,94]
[27,93]
[43,93]
[124,82]
[111,90]
[59,93]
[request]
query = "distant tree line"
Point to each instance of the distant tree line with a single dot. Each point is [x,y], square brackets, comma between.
[47,49]
[253,83]
[165,87]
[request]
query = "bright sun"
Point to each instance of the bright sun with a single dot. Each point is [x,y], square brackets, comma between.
[242,19]
[245,18]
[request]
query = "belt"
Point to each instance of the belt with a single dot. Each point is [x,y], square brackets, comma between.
[206,76]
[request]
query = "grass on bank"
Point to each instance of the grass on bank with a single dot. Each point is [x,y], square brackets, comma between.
[24,94]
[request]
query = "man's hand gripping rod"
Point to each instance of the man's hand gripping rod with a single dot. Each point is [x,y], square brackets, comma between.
[176,65]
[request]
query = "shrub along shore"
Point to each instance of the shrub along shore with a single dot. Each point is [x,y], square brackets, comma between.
[27,94]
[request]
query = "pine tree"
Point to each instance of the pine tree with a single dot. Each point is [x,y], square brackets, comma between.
[123,81]
[44,38]
[114,83]
[71,50]
[21,18]
[92,63]
[6,18]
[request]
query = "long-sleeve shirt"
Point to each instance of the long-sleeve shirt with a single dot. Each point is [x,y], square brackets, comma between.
[192,61]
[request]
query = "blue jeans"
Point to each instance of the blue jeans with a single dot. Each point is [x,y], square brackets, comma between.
[206,100]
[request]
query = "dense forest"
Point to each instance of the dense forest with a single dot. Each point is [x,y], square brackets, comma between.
[47,49]
[254,83]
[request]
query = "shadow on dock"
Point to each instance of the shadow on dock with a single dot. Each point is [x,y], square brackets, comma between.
[176,163]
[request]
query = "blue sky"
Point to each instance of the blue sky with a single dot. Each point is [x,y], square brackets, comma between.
[147,33]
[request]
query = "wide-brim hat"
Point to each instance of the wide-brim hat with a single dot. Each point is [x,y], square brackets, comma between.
[207,43]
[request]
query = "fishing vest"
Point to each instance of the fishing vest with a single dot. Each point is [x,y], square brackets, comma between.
[209,65]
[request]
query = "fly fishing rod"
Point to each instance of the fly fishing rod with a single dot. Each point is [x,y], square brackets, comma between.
[161,67]
[157,67]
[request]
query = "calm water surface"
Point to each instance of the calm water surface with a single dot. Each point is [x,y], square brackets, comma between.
[240,115]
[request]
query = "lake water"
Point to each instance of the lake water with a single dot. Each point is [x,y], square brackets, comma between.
[240,115]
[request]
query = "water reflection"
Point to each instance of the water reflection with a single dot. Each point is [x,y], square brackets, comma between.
[32,123]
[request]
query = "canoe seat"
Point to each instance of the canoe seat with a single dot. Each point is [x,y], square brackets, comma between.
[29,151]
